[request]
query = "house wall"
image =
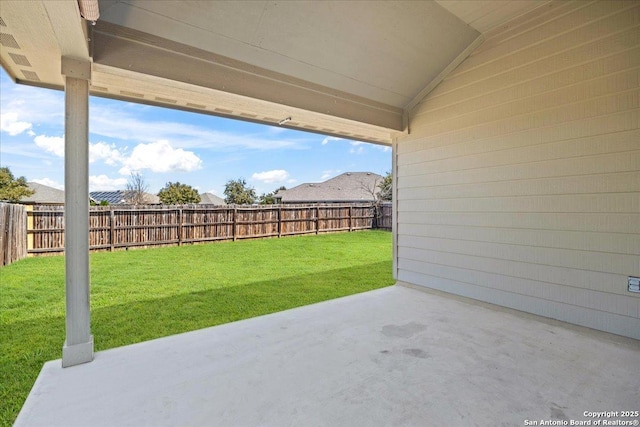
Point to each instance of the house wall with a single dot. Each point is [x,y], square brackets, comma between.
[519,183]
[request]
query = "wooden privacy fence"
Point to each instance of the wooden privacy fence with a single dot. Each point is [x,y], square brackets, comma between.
[116,227]
[384,216]
[13,233]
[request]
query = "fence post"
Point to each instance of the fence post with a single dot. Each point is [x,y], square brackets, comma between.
[279,221]
[30,238]
[235,222]
[112,228]
[350,217]
[180,227]
[4,233]
[317,216]
[374,218]
[377,211]
[4,236]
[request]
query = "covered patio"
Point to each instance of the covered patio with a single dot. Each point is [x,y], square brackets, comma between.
[396,356]
[515,129]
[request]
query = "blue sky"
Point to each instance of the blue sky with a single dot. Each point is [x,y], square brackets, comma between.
[169,145]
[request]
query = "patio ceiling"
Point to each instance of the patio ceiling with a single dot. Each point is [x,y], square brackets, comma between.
[341,68]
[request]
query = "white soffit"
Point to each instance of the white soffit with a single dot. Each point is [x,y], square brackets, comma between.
[28,46]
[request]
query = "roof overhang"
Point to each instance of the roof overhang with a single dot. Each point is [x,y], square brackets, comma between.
[348,69]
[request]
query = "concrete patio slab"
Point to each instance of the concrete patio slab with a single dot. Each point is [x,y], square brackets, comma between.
[396,356]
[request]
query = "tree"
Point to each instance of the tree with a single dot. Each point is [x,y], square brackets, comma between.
[370,188]
[12,189]
[269,198]
[175,193]
[237,192]
[386,187]
[136,189]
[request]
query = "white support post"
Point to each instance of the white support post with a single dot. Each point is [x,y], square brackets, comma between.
[394,204]
[78,346]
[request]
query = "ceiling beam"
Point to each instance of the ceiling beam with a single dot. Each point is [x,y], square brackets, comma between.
[117,83]
[131,50]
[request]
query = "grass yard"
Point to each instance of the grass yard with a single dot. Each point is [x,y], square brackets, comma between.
[144,294]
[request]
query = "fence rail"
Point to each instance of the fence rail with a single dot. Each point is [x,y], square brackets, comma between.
[13,233]
[118,227]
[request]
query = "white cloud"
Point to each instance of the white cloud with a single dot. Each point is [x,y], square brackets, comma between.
[330,138]
[28,104]
[125,125]
[268,177]
[292,181]
[160,156]
[104,151]
[357,147]
[275,130]
[10,124]
[384,148]
[104,183]
[49,183]
[329,173]
[157,156]
[51,144]
[98,151]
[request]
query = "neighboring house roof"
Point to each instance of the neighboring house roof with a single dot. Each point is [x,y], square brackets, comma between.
[347,187]
[211,199]
[119,197]
[44,195]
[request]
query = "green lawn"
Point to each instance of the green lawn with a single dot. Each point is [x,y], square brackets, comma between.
[144,294]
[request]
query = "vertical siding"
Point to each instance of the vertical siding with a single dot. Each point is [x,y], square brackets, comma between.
[519,183]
